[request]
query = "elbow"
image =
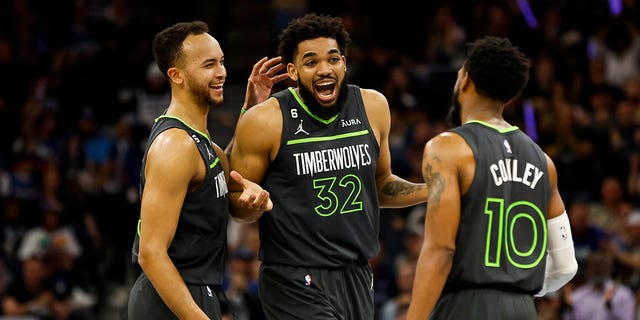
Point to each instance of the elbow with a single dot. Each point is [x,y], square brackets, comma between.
[146,257]
[560,277]
[570,271]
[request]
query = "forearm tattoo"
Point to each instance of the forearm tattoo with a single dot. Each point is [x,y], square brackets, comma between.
[435,182]
[399,188]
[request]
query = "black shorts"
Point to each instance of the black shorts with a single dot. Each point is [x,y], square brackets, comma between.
[145,303]
[484,304]
[310,293]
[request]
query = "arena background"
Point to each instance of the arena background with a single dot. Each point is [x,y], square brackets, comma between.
[78,92]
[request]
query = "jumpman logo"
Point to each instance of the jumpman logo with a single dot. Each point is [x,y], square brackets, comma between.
[300,129]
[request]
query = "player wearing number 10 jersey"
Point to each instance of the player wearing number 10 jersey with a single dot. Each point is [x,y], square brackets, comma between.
[496,230]
[322,151]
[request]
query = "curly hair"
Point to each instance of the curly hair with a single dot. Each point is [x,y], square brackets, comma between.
[497,68]
[167,44]
[312,26]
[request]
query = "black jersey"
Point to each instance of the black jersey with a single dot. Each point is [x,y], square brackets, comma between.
[199,244]
[502,237]
[322,184]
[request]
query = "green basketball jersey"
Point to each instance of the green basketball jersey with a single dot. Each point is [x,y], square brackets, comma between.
[502,237]
[200,241]
[322,184]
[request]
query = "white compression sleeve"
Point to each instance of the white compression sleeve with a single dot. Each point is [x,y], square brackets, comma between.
[561,259]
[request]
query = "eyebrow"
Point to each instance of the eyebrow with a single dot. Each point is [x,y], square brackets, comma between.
[310,54]
[212,60]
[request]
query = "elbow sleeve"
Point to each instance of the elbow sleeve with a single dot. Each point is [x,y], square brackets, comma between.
[561,259]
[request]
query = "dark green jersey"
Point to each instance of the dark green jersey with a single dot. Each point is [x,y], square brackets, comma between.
[199,244]
[322,184]
[502,237]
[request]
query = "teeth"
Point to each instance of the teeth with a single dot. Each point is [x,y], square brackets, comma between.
[324,83]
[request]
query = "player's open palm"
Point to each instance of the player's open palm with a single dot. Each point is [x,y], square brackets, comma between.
[253,197]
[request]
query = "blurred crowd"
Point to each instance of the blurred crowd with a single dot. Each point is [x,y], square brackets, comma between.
[79,92]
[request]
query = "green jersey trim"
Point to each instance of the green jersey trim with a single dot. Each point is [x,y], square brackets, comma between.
[295,95]
[501,130]
[328,138]
[214,163]
[185,123]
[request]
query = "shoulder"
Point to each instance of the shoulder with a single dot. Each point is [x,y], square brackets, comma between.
[173,145]
[448,146]
[261,126]
[374,99]
[266,112]
[172,139]
[377,108]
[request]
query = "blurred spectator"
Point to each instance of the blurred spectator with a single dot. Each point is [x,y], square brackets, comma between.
[149,101]
[81,94]
[33,293]
[413,238]
[14,227]
[405,272]
[53,239]
[446,41]
[587,238]
[600,298]
[620,48]
[625,250]
[244,302]
[608,212]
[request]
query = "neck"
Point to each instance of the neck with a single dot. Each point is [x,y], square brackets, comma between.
[191,113]
[485,110]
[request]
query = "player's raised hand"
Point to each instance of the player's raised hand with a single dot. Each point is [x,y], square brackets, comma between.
[264,75]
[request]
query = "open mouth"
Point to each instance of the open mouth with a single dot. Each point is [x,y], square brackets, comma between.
[325,90]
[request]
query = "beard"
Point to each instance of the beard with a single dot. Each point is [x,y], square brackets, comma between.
[453,116]
[323,112]
[201,94]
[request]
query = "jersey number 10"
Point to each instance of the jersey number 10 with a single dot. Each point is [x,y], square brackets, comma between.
[519,232]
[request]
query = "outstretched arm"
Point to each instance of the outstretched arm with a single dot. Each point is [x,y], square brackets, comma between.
[263,77]
[393,191]
[252,197]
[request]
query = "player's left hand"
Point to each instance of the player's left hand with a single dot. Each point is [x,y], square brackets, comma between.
[253,197]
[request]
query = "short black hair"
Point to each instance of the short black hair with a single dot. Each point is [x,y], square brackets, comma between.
[312,26]
[167,44]
[497,68]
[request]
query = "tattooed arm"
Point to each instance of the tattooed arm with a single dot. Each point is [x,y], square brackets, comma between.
[446,159]
[393,191]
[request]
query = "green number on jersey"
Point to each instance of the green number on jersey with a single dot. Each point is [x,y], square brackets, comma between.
[330,200]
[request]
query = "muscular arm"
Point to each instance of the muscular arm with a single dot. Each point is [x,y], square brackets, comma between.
[251,154]
[393,191]
[442,157]
[172,164]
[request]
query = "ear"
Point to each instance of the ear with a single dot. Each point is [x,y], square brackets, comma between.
[465,82]
[175,75]
[292,71]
